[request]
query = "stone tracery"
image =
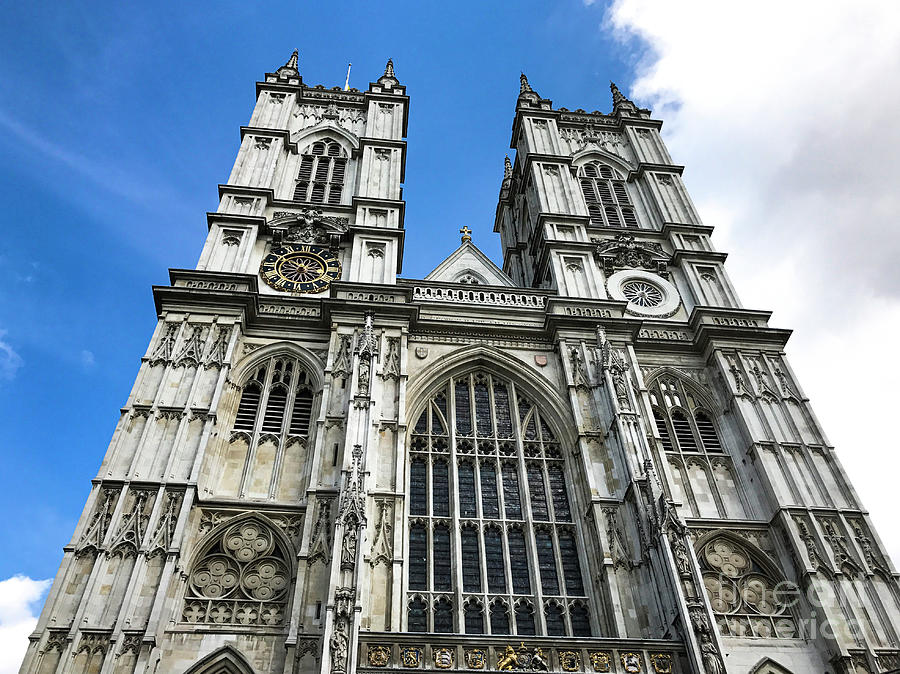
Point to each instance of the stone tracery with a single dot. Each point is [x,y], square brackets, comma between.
[511,491]
[744,596]
[241,578]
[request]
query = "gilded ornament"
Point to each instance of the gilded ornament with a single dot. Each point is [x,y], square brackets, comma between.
[569,661]
[662,663]
[600,660]
[476,658]
[410,656]
[300,268]
[379,656]
[631,662]
[509,659]
[443,657]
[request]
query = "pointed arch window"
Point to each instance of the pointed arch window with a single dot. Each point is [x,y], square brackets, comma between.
[704,477]
[606,196]
[277,398]
[321,176]
[241,577]
[684,423]
[274,411]
[488,490]
[742,591]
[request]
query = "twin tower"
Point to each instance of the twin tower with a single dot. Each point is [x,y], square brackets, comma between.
[592,459]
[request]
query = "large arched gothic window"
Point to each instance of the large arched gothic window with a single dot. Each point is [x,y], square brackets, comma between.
[743,594]
[703,473]
[321,176]
[492,544]
[270,431]
[606,196]
[241,577]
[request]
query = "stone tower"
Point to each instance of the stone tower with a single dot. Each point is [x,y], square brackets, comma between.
[591,460]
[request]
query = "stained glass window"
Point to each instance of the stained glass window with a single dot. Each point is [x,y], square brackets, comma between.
[503,520]
[466,474]
[471,564]
[474,618]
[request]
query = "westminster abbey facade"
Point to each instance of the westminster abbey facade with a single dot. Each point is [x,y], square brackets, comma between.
[590,459]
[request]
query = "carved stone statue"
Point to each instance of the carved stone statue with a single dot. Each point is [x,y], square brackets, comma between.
[348,551]
[338,645]
[712,663]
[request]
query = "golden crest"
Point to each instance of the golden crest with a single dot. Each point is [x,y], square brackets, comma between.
[508,660]
[569,661]
[410,656]
[443,657]
[631,662]
[379,656]
[662,663]
[600,660]
[476,658]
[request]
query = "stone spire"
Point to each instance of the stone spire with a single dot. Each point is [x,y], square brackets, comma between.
[524,87]
[290,68]
[620,102]
[389,79]
[527,95]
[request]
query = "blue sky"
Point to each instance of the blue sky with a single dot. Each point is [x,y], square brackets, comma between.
[117,123]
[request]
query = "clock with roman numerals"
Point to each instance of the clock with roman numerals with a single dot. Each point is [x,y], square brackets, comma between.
[300,268]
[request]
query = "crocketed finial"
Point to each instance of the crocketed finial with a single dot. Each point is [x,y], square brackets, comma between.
[507,168]
[620,102]
[389,68]
[290,68]
[616,94]
[523,84]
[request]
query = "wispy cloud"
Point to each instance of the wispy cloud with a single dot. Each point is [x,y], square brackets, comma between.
[19,596]
[10,361]
[104,172]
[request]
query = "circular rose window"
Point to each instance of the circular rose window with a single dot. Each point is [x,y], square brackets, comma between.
[642,294]
[647,294]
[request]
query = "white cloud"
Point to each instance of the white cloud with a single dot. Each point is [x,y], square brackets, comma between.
[10,361]
[784,115]
[18,598]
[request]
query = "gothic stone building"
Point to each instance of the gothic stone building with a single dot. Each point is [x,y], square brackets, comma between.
[594,459]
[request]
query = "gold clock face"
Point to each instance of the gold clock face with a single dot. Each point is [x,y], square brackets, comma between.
[300,268]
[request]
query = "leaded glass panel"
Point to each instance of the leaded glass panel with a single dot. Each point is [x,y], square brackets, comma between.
[503,451]
[466,473]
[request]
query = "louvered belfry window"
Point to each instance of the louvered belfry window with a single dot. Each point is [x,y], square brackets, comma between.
[704,480]
[277,399]
[492,542]
[684,425]
[321,176]
[275,405]
[606,196]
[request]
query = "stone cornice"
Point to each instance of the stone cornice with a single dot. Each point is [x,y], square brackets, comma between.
[269,132]
[643,167]
[213,217]
[718,326]
[672,227]
[578,118]
[682,254]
